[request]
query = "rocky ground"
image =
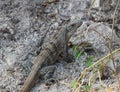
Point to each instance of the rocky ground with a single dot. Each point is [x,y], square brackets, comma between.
[26,24]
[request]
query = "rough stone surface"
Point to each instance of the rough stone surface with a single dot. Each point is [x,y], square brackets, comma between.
[97,34]
[26,24]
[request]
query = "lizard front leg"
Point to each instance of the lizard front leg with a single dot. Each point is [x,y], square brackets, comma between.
[67,56]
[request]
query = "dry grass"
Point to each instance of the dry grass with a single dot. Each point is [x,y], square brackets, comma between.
[93,72]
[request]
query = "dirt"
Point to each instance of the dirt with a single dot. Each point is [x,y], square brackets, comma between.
[26,24]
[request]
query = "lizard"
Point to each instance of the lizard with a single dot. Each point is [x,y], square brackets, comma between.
[50,52]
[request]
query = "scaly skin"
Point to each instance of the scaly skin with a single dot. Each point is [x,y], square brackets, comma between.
[50,52]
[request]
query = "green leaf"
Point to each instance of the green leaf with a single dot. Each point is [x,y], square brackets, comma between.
[73,84]
[77,54]
[88,61]
[86,87]
[74,48]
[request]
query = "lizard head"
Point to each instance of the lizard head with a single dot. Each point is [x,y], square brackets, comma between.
[72,27]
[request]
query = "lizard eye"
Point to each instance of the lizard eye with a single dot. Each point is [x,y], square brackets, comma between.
[72,25]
